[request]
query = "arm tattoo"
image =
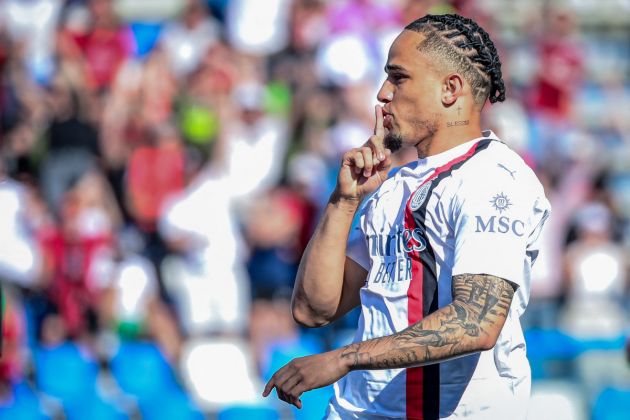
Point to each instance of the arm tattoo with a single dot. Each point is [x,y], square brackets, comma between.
[475,317]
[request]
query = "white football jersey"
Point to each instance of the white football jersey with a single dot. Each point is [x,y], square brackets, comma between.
[476,208]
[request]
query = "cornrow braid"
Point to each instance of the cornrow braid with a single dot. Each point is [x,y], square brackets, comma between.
[462,43]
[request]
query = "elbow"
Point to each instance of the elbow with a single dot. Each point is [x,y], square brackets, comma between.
[488,341]
[307,318]
[487,344]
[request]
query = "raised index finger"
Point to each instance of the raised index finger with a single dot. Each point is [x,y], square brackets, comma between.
[270,385]
[379,131]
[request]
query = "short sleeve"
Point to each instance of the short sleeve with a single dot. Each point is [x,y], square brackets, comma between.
[357,248]
[495,222]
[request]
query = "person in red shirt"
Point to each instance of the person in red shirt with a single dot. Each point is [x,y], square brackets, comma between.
[106,45]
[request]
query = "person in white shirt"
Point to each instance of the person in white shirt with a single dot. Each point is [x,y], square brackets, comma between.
[441,257]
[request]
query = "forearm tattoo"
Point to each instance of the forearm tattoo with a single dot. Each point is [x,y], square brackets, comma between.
[478,311]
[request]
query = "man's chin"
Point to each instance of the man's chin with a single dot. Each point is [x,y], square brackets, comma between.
[393,141]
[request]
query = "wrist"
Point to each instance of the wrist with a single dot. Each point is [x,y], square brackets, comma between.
[344,202]
[345,364]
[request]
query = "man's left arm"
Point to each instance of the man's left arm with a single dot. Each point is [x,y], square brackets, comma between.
[470,323]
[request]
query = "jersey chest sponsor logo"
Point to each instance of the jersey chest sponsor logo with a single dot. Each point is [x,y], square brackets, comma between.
[419,196]
[408,240]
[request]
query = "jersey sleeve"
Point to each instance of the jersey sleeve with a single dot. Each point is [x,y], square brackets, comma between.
[497,219]
[357,248]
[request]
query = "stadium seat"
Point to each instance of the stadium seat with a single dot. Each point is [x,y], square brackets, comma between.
[142,371]
[171,405]
[94,408]
[314,404]
[612,404]
[21,404]
[258,412]
[66,373]
[550,353]
[146,35]
[282,352]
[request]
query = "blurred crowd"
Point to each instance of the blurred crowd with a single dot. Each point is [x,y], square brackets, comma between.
[163,164]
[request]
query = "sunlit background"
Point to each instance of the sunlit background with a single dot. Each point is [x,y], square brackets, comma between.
[163,164]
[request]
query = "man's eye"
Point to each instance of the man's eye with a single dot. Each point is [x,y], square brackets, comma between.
[396,78]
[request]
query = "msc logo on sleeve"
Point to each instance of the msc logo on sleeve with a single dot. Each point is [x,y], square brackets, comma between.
[501,202]
[499,224]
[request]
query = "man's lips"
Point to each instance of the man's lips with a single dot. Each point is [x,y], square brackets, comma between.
[387,121]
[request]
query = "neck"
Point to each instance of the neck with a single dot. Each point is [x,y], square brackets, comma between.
[451,133]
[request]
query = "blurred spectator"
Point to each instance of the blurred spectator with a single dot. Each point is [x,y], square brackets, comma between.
[105,43]
[258,28]
[188,39]
[13,363]
[20,256]
[596,271]
[253,140]
[31,24]
[207,280]
[155,171]
[88,220]
[560,64]
[130,302]
[72,141]
[274,223]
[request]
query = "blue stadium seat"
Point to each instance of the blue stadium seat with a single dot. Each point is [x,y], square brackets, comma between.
[258,412]
[64,372]
[550,353]
[314,404]
[94,408]
[612,404]
[21,404]
[146,35]
[282,352]
[142,371]
[171,405]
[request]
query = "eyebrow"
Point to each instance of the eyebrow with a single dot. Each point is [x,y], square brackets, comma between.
[394,67]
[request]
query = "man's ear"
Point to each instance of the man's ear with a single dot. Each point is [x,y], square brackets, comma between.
[452,88]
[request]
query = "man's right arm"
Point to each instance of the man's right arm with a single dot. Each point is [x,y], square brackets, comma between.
[327,285]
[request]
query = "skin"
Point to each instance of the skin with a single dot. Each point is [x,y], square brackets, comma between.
[432,110]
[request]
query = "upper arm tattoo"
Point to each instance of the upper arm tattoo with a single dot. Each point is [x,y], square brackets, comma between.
[486,296]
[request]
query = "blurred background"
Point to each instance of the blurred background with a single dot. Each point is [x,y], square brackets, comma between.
[163,164]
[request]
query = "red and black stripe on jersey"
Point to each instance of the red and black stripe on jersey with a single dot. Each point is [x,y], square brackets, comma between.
[423,383]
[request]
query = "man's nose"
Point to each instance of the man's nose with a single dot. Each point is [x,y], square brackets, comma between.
[385,94]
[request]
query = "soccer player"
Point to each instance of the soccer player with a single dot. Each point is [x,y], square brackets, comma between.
[440,261]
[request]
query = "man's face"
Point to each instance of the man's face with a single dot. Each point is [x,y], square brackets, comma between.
[411,94]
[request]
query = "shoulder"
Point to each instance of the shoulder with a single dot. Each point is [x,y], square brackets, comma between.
[497,166]
[497,179]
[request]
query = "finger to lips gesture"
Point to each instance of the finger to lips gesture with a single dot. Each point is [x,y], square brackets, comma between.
[365,168]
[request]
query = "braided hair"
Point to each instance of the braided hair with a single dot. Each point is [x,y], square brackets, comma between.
[462,45]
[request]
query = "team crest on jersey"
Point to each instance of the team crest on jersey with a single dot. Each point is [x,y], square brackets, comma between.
[419,196]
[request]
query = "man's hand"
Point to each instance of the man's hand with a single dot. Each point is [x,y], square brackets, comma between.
[307,373]
[365,168]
